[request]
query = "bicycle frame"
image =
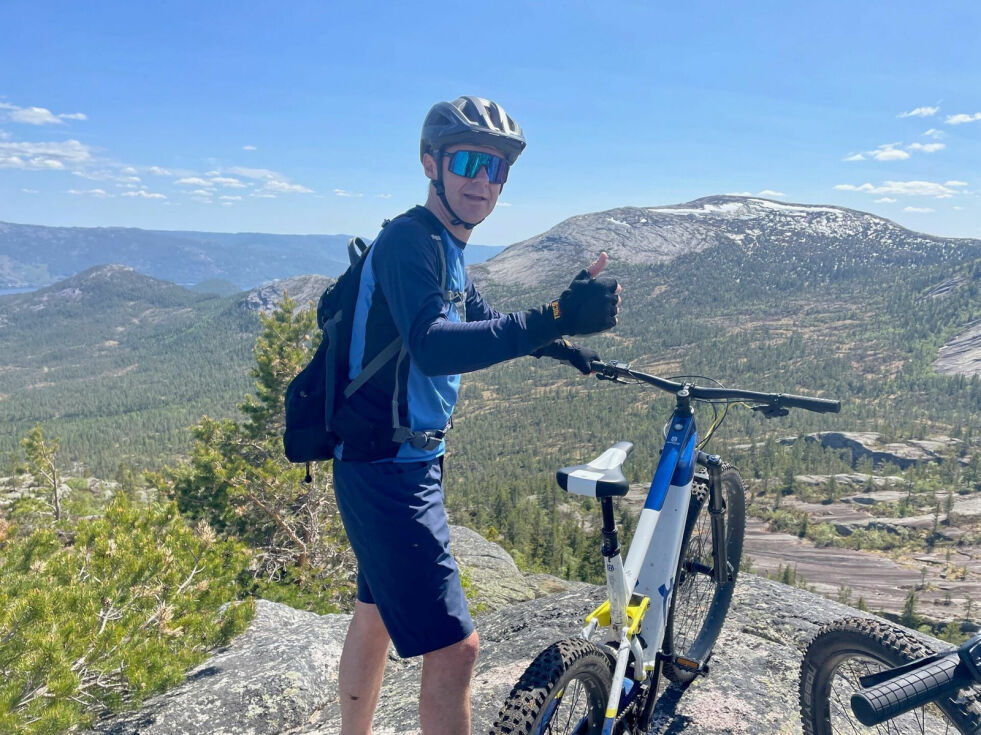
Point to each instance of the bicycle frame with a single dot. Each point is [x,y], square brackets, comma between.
[648,575]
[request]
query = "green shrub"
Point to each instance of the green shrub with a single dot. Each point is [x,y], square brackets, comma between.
[99,615]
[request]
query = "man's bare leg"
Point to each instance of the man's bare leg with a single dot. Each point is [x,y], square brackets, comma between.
[444,701]
[361,669]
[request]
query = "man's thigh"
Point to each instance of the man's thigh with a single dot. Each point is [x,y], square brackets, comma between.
[395,519]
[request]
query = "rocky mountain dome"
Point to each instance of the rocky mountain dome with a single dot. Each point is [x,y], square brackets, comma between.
[655,235]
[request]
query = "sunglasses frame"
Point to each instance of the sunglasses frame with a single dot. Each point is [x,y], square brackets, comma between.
[504,165]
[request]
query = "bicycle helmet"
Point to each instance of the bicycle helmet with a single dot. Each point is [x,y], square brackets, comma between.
[471,120]
[468,120]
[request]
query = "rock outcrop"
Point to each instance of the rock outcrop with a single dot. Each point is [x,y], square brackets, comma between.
[871,445]
[280,675]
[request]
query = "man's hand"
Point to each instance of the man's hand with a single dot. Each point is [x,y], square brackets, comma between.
[569,353]
[590,304]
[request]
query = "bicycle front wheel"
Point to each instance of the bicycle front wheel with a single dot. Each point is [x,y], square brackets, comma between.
[699,604]
[565,690]
[844,651]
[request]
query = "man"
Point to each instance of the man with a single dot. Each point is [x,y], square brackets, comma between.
[388,470]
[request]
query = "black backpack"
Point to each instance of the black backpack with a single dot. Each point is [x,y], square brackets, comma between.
[315,395]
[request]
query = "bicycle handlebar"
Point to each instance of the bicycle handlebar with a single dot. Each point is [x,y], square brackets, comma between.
[891,693]
[774,401]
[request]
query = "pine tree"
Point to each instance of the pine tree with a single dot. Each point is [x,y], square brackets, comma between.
[239,481]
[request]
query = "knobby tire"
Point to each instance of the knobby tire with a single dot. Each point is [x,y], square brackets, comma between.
[843,651]
[564,690]
[698,604]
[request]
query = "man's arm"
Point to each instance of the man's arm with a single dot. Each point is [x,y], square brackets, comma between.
[406,268]
[478,310]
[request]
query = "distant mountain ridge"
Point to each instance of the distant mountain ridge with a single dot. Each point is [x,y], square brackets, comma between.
[832,237]
[37,256]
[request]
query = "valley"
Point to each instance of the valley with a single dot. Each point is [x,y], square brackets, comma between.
[760,295]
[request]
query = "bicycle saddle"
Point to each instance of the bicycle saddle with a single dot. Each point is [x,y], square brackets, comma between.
[601,478]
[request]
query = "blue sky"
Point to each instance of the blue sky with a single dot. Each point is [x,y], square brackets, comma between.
[304,117]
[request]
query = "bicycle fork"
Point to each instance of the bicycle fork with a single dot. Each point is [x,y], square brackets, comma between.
[717,510]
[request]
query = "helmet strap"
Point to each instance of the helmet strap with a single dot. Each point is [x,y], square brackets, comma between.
[441,193]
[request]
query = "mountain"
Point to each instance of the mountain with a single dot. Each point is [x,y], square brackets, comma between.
[34,256]
[834,240]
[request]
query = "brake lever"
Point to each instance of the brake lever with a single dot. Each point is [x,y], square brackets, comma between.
[610,369]
[770,411]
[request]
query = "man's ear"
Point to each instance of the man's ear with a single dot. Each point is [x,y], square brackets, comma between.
[429,166]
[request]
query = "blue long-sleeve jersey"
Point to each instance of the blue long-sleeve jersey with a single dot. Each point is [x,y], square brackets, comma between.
[400,294]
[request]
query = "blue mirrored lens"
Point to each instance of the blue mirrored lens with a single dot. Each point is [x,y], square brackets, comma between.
[469,163]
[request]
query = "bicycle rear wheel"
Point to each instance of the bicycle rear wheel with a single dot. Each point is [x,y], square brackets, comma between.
[845,650]
[565,690]
[699,604]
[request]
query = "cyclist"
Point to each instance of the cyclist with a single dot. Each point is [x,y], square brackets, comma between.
[388,472]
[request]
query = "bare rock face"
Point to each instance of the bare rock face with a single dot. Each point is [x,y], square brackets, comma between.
[304,290]
[962,355]
[280,676]
[871,445]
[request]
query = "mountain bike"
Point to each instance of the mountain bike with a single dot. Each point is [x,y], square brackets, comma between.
[667,601]
[861,675]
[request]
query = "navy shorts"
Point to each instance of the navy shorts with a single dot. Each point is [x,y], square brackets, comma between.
[395,520]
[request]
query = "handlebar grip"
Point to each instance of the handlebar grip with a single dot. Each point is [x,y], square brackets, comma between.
[933,680]
[818,405]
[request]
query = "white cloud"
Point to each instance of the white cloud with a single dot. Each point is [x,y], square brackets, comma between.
[771,193]
[504,204]
[888,152]
[885,200]
[143,195]
[920,112]
[345,193]
[934,133]
[253,173]
[959,209]
[263,195]
[38,115]
[157,171]
[249,148]
[919,210]
[383,196]
[962,118]
[202,193]
[739,194]
[954,182]
[854,157]
[30,191]
[227,198]
[927,147]
[193,181]
[228,182]
[903,188]
[41,156]
[287,188]
[100,193]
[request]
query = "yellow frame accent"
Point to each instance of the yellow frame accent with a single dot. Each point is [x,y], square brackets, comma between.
[636,609]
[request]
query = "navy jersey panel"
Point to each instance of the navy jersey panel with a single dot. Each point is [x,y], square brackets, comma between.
[397,526]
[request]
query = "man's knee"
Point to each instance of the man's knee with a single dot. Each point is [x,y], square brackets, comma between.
[457,656]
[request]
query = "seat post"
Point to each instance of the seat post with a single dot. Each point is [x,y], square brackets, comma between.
[611,541]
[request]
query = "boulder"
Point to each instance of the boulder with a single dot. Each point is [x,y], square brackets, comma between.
[280,675]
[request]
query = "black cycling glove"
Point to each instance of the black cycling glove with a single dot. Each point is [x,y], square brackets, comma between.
[589,305]
[569,353]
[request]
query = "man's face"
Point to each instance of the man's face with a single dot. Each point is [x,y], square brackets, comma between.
[471,199]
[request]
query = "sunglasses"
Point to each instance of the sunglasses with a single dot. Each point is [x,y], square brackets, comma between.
[469,163]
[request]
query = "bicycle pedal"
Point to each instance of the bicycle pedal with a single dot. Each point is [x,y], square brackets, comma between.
[693,665]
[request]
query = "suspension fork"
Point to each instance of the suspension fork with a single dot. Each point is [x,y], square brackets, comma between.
[717,510]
